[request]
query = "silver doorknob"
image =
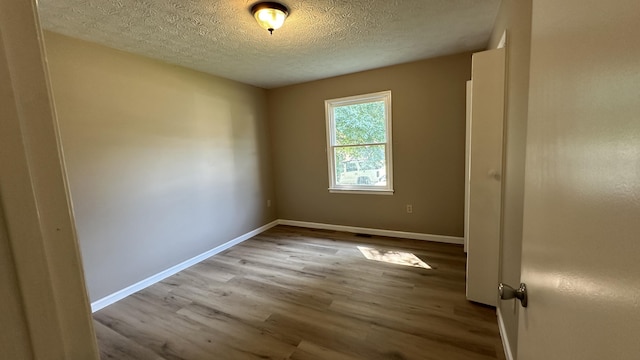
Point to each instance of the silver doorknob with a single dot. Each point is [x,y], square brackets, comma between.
[507,292]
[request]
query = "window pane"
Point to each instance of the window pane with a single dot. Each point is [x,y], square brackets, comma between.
[360,123]
[359,143]
[360,165]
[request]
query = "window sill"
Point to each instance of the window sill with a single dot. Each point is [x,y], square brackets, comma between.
[361,191]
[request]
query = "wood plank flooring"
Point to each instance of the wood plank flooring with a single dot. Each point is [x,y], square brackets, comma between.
[300,294]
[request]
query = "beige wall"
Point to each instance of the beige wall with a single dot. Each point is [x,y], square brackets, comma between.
[164,163]
[428,148]
[515,18]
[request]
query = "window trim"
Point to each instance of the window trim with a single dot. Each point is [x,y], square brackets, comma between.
[384,96]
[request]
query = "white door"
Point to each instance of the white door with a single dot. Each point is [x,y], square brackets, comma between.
[581,241]
[484,182]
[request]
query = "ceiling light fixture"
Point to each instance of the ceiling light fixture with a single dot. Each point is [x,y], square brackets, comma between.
[270,15]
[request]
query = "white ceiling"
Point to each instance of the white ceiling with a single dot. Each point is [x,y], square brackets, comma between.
[319,39]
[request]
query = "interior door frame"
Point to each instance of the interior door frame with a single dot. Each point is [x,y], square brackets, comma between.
[35,198]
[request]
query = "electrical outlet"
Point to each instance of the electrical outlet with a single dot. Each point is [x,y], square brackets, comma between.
[268,203]
[409,209]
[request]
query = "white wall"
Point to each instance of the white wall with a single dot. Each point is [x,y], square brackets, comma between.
[164,163]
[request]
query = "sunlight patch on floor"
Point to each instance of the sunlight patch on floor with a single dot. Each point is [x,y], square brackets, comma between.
[393,257]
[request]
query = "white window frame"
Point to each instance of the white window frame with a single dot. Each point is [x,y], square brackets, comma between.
[330,121]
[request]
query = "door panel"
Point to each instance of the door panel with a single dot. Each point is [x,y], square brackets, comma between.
[485,186]
[581,237]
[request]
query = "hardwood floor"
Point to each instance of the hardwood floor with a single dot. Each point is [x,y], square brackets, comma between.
[293,293]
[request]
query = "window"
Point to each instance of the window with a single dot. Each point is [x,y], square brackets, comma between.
[359,143]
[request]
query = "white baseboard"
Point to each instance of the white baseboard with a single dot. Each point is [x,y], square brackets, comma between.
[379,232]
[121,294]
[503,334]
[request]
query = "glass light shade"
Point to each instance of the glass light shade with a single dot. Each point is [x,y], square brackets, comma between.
[270,19]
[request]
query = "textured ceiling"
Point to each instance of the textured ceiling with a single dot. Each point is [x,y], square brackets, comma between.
[319,39]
